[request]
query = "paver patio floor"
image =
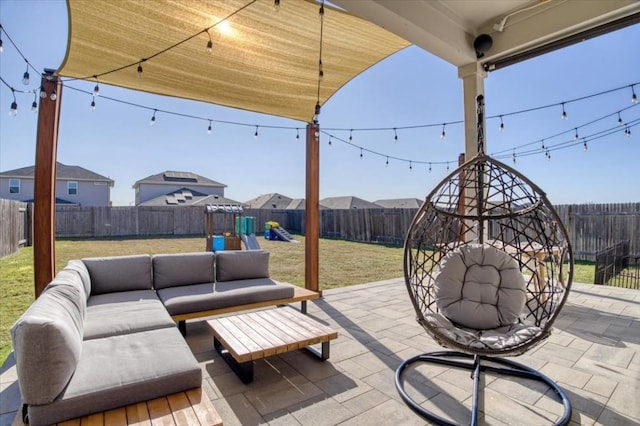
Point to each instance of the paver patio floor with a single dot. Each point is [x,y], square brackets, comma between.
[593,353]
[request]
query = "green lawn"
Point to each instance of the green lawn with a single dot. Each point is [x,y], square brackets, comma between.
[342,263]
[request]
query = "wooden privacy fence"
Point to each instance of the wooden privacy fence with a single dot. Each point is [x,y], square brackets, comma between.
[15,226]
[591,227]
[594,227]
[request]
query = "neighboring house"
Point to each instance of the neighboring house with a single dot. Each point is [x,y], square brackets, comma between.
[170,182]
[74,185]
[269,201]
[189,197]
[347,202]
[400,203]
[297,204]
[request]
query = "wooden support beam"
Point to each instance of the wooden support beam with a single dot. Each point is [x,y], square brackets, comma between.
[312,210]
[44,199]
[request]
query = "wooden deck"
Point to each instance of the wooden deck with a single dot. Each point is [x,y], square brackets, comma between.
[189,408]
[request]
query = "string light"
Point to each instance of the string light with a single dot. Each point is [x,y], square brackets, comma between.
[443,135]
[619,120]
[634,98]
[25,76]
[361,153]
[276,5]
[140,69]
[53,96]
[501,125]
[153,118]
[92,107]
[564,113]
[584,143]
[395,135]
[13,110]
[410,165]
[576,137]
[209,128]
[627,132]
[447,166]
[387,163]
[43,93]
[209,43]
[429,167]
[96,88]
[297,130]
[320,70]
[543,144]
[34,104]
[329,140]
[1,47]
[351,135]
[321,11]
[548,155]
[514,156]
[255,135]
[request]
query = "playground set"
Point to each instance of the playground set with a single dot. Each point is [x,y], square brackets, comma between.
[238,229]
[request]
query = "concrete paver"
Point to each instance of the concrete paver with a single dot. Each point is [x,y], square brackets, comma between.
[593,353]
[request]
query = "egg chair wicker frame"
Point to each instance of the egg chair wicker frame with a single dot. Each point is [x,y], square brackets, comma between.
[485,202]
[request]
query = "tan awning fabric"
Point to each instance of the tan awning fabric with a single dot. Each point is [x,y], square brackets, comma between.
[267,62]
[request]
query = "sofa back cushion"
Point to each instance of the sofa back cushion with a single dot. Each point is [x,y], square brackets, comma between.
[80,268]
[242,265]
[119,273]
[173,270]
[47,340]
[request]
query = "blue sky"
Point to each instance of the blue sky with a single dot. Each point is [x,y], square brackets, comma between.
[410,88]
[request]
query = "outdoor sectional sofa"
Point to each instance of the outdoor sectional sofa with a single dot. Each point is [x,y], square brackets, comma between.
[101,335]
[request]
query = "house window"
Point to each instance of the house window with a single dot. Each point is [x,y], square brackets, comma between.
[72,188]
[14,186]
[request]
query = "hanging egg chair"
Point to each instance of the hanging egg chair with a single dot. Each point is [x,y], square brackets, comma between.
[488,266]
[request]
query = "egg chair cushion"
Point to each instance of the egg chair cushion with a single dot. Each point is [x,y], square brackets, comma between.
[480,287]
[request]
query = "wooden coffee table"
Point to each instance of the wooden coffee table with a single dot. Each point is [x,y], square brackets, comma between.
[243,338]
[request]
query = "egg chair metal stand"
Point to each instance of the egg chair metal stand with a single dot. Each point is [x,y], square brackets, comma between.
[488,266]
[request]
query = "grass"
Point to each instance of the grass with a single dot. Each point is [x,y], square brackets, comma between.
[342,263]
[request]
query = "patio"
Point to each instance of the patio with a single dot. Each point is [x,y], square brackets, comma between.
[594,354]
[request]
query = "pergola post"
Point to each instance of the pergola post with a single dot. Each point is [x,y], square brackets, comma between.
[312,210]
[44,197]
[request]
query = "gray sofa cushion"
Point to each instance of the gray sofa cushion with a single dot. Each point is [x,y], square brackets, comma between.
[242,265]
[480,287]
[170,270]
[204,297]
[124,312]
[119,273]
[81,269]
[122,370]
[47,341]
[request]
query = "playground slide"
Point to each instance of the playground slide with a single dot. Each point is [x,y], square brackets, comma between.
[284,235]
[250,242]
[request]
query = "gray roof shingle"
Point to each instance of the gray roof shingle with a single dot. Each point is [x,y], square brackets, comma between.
[63,172]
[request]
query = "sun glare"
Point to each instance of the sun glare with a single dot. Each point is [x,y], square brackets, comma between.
[225,28]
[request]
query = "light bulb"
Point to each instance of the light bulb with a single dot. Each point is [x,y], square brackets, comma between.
[297,133]
[619,120]
[43,93]
[576,137]
[139,70]
[395,136]
[564,113]
[34,106]
[209,46]
[585,146]
[92,107]
[209,128]
[329,140]
[443,135]
[255,135]
[53,96]
[361,153]
[410,165]
[96,90]
[501,125]
[350,135]
[25,77]
[387,163]
[13,111]
[1,48]
[276,5]
[153,118]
